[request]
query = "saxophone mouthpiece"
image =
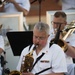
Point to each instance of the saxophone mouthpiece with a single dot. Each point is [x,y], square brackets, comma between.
[37,45]
[34,47]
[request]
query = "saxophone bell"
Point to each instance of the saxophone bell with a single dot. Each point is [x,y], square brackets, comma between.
[15,72]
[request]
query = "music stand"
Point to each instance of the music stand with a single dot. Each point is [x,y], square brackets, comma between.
[19,40]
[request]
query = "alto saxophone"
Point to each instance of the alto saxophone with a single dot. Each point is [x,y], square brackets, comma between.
[27,66]
[15,72]
[28,62]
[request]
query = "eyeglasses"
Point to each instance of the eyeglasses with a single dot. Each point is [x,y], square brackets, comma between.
[57,23]
[40,38]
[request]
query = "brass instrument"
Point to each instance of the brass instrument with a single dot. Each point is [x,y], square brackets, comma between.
[69,30]
[58,41]
[15,72]
[27,66]
[28,62]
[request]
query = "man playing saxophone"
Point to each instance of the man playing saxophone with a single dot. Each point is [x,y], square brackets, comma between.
[60,18]
[47,60]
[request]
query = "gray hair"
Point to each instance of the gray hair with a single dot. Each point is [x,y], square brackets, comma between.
[42,27]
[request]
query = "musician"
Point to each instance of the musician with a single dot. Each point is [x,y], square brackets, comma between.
[66,4]
[60,17]
[1,49]
[51,60]
[13,6]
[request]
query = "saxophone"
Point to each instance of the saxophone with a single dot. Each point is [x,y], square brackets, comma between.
[28,62]
[27,66]
[15,72]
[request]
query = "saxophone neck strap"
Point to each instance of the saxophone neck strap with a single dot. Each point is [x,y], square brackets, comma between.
[38,59]
[43,71]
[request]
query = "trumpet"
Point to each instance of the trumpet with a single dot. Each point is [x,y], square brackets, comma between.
[70,28]
[66,32]
[58,41]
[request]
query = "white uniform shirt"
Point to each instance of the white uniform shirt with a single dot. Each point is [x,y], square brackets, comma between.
[54,57]
[1,46]
[68,4]
[70,39]
[1,42]
[9,7]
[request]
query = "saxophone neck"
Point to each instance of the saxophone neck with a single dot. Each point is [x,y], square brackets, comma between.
[31,53]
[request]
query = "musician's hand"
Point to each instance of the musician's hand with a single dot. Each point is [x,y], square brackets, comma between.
[29,73]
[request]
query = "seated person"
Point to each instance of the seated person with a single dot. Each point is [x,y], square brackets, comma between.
[1,50]
[45,60]
[60,18]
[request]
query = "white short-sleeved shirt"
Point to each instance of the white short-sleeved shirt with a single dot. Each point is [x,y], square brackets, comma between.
[9,7]
[68,4]
[1,46]
[54,57]
[71,40]
[1,42]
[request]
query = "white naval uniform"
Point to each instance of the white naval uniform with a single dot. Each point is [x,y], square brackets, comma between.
[68,4]
[1,46]
[10,8]
[54,57]
[1,42]
[69,60]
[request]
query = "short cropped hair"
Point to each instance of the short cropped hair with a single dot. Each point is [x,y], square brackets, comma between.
[42,27]
[60,14]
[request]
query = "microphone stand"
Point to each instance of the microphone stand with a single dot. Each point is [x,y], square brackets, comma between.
[39,10]
[57,34]
[40,1]
[55,41]
[33,1]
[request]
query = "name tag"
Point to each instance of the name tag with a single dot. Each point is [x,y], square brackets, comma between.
[44,61]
